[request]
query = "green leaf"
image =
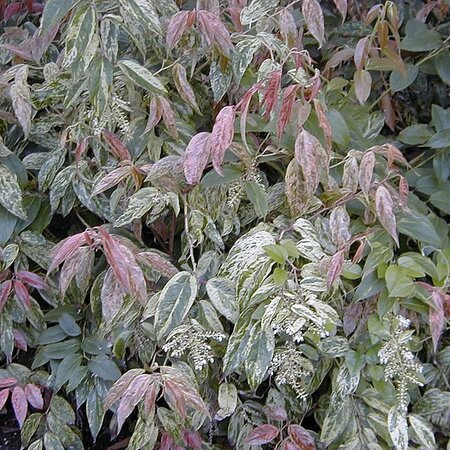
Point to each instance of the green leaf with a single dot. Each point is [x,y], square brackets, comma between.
[11,194]
[276,252]
[440,140]
[441,200]
[339,129]
[442,66]
[416,134]
[399,81]
[50,335]
[68,325]
[419,38]
[8,222]
[174,304]
[51,441]
[100,80]
[104,368]
[258,196]
[230,174]
[397,281]
[280,276]
[419,227]
[54,11]
[141,76]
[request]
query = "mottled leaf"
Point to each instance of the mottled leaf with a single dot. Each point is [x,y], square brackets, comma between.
[196,157]
[385,212]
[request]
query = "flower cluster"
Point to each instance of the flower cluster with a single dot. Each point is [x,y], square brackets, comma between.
[193,339]
[292,369]
[400,363]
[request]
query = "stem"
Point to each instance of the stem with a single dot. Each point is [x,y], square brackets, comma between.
[188,235]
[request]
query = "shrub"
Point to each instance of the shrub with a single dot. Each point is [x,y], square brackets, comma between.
[223,224]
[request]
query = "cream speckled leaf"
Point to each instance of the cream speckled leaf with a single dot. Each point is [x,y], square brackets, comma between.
[10,193]
[256,10]
[398,428]
[21,99]
[144,200]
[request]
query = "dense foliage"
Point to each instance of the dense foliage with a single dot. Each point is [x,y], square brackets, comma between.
[223,224]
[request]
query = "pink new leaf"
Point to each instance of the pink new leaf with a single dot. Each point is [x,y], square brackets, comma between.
[4,394]
[385,212]
[196,157]
[123,262]
[178,24]
[301,437]
[20,404]
[222,136]
[34,396]
[118,149]
[262,435]
[335,269]
[31,279]
[65,248]
[22,293]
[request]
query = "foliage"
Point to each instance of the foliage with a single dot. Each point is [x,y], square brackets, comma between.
[223,223]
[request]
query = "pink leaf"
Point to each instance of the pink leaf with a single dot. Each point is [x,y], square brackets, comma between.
[366,171]
[312,12]
[175,398]
[7,382]
[301,437]
[192,439]
[262,435]
[196,157]
[10,10]
[178,24]
[361,53]
[335,269]
[150,397]
[81,148]
[324,123]
[20,404]
[31,279]
[4,394]
[288,445]
[341,6]
[112,295]
[243,106]
[352,316]
[154,115]
[66,248]
[385,212]
[222,136]
[19,340]
[286,108]
[124,264]
[275,412]
[74,265]
[214,31]
[168,116]
[271,94]
[22,293]
[183,87]
[403,191]
[5,290]
[118,149]
[131,398]
[34,396]
[166,442]
[111,179]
